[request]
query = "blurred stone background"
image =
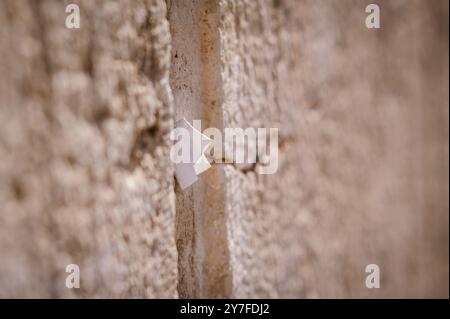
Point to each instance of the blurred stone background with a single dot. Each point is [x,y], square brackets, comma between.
[85,174]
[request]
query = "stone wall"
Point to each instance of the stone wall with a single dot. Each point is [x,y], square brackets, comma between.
[363,148]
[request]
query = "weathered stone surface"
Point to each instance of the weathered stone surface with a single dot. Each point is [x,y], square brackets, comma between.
[363,148]
[363,172]
[85,172]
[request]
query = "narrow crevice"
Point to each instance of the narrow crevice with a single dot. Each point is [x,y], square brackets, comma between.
[201,234]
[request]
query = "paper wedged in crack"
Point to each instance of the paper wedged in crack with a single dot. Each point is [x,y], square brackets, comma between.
[186,173]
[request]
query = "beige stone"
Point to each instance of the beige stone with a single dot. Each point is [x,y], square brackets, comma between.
[85,176]
[363,149]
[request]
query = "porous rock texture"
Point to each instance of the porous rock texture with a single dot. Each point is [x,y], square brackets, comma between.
[362,173]
[85,172]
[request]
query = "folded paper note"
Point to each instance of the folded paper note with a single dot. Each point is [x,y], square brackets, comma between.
[198,144]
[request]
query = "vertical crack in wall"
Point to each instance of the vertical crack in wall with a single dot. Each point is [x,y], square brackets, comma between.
[203,261]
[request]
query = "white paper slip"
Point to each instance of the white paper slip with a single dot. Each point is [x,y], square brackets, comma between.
[187,173]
